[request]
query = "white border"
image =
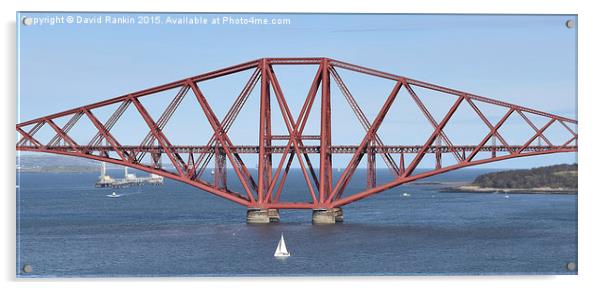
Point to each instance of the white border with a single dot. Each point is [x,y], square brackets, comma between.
[589,22]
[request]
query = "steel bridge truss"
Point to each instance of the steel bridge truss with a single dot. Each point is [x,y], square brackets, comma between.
[188,163]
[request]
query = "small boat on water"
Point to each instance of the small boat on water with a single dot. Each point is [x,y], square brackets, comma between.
[405,194]
[281,251]
[113,195]
[506,196]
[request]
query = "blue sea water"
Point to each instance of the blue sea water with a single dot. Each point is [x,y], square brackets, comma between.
[66,227]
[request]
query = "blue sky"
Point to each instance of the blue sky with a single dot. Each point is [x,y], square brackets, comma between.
[527,60]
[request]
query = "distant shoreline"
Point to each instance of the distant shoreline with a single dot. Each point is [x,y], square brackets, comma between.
[478,189]
[67,169]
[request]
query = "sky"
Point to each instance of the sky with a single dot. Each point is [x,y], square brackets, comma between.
[526,60]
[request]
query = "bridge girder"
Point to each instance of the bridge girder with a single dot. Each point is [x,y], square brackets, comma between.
[187,163]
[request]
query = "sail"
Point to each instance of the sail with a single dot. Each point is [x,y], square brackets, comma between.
[281,249]
[282,245]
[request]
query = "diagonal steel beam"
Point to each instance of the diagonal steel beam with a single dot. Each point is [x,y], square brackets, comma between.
[283,178]
[66,128]
[27,137]
[300,125]
[537,134]
[488,123]
[571,131]
[63,135]
[177,163]
[203,77]
[491,132]
[534,127]
[432,138]
[359,153]
[164,118]
[106,134]
[568,128]
[226,144]
[399,181]
[97,139]
[389,161]
[574,138]
[227,122]
[432,120]
[288,120]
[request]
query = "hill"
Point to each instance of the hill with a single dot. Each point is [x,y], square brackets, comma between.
[556,176]
[55,163]
[560,178]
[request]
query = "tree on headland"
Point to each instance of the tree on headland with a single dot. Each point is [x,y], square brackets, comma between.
[555,176]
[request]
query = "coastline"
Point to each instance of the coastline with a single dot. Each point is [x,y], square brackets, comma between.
[57,169]
[539,190]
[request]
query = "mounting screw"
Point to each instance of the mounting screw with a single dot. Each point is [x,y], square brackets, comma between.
[571,266]
[569,23]
[27,21]
[27,268]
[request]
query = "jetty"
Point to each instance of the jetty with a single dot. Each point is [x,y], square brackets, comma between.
[129,179]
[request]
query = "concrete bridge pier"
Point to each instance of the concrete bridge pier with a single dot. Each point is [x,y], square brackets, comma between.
[325,216]
[274,215]
[262,216]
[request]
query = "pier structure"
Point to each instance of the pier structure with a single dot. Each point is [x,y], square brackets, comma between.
[129,179]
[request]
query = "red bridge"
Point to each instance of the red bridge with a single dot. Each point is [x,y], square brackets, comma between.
[261,188]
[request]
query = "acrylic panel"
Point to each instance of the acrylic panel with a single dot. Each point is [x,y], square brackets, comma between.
[216,144]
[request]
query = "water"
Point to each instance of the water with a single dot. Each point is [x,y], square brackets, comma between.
[66,227]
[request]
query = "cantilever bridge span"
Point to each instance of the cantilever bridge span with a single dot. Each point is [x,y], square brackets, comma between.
[260,189]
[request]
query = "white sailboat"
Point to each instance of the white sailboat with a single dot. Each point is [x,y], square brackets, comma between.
[281,250]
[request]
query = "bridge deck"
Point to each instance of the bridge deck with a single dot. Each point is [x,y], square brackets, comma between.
[338,149]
